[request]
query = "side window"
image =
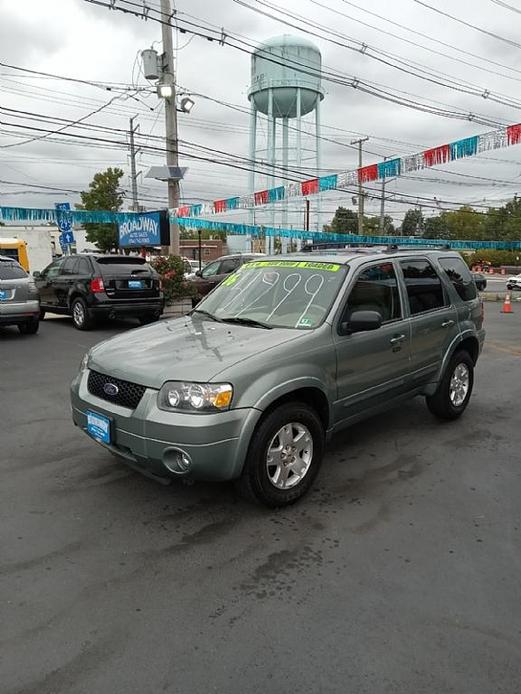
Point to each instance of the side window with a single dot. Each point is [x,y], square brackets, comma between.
[424,287]
[68,267]
[82,267]
[211,270]
[460,277]
[53,270]
[376,289]
[228,266]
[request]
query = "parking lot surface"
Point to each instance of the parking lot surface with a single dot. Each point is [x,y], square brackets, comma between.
[400,572]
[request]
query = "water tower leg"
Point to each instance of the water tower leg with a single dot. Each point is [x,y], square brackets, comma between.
[299,130]
[270,157]
[253,154]
[319,157]
[285,156]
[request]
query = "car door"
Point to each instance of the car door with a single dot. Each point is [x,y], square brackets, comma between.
[372,366]
[45,283]
[208,278]
[64,281]
[433,318]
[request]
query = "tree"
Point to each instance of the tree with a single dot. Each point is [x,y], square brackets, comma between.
[413,222]
[436,227]
[103,194]
[344,222]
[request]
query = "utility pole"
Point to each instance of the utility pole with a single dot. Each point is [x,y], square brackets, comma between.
[360,142]
[306,216]
[382,207]
[168,78]
[133,175]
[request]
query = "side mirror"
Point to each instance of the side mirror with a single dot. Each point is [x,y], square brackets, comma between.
[198,273]
[362,321]
[37,273]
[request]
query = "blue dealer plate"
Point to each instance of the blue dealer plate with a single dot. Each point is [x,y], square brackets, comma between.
[135,284]
[5,294]
[98,426]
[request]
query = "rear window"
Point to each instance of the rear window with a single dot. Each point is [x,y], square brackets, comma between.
[121,260]
[10,271]
[460,277]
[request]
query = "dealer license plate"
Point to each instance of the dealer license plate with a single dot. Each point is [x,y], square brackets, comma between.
[135,284]
[5,294]
[98,426]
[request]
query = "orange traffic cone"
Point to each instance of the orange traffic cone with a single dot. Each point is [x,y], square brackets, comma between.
[507,306]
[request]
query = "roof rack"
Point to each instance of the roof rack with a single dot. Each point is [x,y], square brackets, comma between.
[353,247]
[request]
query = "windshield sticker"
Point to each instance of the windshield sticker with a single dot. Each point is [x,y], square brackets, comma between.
[232,279]
[305,322]
[329,267]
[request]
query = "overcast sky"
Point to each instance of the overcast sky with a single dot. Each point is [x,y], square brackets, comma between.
[78,39]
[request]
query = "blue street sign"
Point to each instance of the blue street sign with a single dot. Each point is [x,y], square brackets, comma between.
[64,221]
[68,237]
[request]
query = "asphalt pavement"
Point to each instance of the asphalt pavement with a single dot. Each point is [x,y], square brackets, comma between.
[399,573]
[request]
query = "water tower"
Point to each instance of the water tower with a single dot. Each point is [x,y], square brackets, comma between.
[285,84]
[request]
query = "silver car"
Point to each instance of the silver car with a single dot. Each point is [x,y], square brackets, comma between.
[284,353]
[19,303]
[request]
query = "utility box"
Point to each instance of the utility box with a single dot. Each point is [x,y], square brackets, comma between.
[150,64]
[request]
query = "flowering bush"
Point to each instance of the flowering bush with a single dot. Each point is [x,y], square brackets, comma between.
[171,269]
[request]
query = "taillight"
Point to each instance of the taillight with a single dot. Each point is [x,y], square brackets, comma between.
[96,285]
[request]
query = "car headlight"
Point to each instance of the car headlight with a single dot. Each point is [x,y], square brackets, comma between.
[195,397]
[84,362]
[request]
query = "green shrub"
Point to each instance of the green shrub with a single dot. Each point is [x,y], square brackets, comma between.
[494,257]
[171,269]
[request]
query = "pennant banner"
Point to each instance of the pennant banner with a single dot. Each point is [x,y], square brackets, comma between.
[28,214]
[467,147]
[326,237]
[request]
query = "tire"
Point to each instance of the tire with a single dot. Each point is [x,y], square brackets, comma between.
[510,287]
[81,316]
[263,483]
[448,403]
[146,320]
[42,314]
[30,327]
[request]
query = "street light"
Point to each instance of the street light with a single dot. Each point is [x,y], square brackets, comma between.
[186,104]
[165,91]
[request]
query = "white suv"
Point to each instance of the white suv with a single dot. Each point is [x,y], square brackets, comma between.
[514,282]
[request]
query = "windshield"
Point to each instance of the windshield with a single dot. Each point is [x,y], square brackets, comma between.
[277,293]
[10,271]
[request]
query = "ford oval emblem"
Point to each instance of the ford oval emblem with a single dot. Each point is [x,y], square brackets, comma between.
[111,389]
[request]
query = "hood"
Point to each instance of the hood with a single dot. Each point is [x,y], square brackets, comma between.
[184,349]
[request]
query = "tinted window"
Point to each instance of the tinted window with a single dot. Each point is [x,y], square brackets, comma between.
[376,289]
[121,260]
[68,266]
[424,287]
[459,274]
[122,266]
[211,270]
[53,270]
[228,266]
[82,267]
[10,271]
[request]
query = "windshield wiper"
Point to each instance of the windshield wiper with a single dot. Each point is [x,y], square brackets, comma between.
[247,321]
[205,313]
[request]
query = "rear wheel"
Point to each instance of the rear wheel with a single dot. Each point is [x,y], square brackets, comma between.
[455,388]
[81,316]
[30,327]
[284,456]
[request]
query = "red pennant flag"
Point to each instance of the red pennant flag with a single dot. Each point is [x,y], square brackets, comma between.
[514,134]
[437,155]
[261,197]
[368,173]
[309,187]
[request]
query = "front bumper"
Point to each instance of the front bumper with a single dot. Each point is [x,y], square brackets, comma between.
[12,312]
[148,437]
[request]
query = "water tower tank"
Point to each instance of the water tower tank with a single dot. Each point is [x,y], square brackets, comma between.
[283,64]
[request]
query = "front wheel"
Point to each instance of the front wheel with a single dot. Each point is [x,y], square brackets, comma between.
[81,316]
[30,327]
[455,388]
[284,455]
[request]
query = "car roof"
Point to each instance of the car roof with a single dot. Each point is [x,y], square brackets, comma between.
[346,256]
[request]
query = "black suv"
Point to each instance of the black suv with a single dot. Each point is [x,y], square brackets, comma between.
[94,285]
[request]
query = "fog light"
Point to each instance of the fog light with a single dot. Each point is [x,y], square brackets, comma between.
[177,461]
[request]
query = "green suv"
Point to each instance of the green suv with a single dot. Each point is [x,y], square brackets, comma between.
[281,355]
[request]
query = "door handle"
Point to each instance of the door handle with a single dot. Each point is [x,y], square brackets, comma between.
[397,339]
[447,324]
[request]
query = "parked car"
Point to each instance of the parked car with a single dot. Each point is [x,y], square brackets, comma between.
[283,354]
[480,280]
[214,273]
[191,267]
[89,286]
[19,303]
[514,282]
